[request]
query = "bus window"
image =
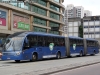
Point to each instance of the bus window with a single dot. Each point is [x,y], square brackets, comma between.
[56,41]
[78,42]
[81,42]
[40,40]
[45,42]
[71,42]
[97,44]
[74,41]
[93,43]
[32,40]
[62,42]
[88,43]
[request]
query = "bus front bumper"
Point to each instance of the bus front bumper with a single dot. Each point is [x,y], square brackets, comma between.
[11,57]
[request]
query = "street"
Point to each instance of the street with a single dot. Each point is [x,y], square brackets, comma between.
[44,66]
[87,70]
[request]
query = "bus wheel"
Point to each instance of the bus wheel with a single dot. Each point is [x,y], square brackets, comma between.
[34,57]
[81,54]
[58,55]
[17,60]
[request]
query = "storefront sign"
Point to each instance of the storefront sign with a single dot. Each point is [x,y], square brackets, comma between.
[2,18]
[21,22]
[2,22]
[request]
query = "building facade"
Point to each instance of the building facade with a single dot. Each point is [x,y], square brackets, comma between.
[73,26]
[31,15]
[91,27]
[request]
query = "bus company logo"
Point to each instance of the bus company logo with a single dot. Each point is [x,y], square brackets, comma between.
[51,46]
[74,46]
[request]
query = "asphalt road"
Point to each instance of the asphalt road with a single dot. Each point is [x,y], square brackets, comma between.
[87,70]
[44,66]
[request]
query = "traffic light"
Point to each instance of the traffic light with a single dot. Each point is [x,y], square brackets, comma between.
[54,28]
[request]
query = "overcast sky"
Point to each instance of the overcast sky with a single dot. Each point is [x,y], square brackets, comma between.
[92,5]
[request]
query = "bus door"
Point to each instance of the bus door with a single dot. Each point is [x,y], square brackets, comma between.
[92,47]
[72,46]
[89,48]
[49,49]
[54,46]
[58,45]
[79,46]
[45,48]
[40,46]
[26,49]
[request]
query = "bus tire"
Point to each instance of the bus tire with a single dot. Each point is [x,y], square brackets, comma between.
[81,54]
[34,57]
[58,55]
[17,61]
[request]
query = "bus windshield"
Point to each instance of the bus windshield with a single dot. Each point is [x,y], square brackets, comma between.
[14,43]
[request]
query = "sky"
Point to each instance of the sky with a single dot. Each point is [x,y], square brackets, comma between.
[91,5]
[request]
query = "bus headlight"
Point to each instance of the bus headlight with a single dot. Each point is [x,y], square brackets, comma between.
[18,53]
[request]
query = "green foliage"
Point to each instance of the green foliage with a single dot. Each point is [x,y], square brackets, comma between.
[81,31]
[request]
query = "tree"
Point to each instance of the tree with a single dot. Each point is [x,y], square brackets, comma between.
[81,31]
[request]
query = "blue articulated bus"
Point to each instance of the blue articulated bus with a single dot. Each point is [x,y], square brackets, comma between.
[36,46]
[33,46]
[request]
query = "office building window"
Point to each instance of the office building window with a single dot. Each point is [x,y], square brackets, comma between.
[42,2]
[57,1]
[38,29]
[54,7]
[52,24]
[39,21]
[54,16]
[39,10]
[12,3]
[54,32]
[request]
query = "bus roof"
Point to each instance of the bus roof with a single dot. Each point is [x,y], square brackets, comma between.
[25,33]
[91,39]
[74,37]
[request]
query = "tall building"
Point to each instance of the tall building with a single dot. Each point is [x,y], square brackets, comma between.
[31,15]
[79,11]
[71,11]
[74,11]
[91,27]
[87,13]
